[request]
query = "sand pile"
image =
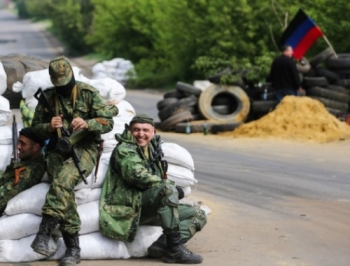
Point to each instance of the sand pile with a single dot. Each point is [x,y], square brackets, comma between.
[299,118]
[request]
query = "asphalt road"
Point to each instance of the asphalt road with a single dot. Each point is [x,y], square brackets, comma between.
[273,202]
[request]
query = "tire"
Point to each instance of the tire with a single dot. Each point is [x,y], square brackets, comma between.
[328,94]
[174,94]
[331,103]
[169,123]
[239,103]
[336,112]
[188,89]
[343,82]
[165,102]
[195,126]
[221,109]
[303,66]
[263,106]
[328,74]
[342,62]
[309,82]
[321,57]
[169,110]
[224,127]
[337,88]
[270,96]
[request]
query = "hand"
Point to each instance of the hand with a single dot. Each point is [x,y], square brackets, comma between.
[56,122]
[78,123]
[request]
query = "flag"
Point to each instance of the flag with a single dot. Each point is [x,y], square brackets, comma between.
[300,34]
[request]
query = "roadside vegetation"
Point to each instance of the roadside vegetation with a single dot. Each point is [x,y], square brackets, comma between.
[171,40]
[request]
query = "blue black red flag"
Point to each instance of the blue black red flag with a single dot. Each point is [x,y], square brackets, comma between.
[300,34]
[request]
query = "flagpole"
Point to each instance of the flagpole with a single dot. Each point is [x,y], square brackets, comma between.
[329,44]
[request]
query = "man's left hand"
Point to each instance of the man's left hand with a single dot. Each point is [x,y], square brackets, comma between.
[78,123]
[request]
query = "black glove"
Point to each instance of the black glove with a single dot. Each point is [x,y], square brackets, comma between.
[181,192]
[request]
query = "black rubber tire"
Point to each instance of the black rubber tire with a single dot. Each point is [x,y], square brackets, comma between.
[321,57]
[336,112]
[224,127]
[328,74]
[328,94]
[169,123]
[195,126]
[332,104]
[221,109]
[309,82]
[342,62]
[240,103]
[188,88]
[343,82]
[337,88]
[165,102]
[175,94]
[169,110]
[270,96]
[263,106]
[303,66]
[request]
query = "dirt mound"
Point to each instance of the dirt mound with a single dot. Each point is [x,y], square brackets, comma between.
[299,118]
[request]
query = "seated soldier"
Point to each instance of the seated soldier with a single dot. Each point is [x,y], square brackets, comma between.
[19,176]
[135,192]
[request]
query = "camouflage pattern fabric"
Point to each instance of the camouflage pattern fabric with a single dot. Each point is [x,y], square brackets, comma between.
[134,192]
[62,171]
[60,71]
[27,114]
[31,176]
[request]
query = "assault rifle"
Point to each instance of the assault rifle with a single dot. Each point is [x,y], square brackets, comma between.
[159,154]
[66,144]
[15,157]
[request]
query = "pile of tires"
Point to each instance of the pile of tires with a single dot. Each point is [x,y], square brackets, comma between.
[16,66]
[216,108]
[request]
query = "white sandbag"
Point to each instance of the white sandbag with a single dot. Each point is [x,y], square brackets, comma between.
[95,246]
[126,111]
[102,170]
[109,138]
[31,103]
[5,112]
[34,80]
[114,63]
[97,68]
[3,79]
[28,201]
[187,191]
[20,250]
[5,135]
[89,195]
[109,89]
[5,156]
[175,154]
[17,87]
[19,225]
[145,236]
[182,176]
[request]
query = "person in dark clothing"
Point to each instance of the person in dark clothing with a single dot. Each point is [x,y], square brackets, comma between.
[284,75]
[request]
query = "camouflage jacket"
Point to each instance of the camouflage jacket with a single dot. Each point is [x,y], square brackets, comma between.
[129,174]
[89,105]
[30,175]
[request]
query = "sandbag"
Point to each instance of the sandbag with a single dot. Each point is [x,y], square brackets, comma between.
[182,176]
[175,154]
[5,156]
[110,89]
[145,236]
[3,79]
[5,111]
[5,135]
[19,225]
[20,250]
[95,246]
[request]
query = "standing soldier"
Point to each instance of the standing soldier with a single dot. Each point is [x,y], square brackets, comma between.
[77,106]
[135,192]
[26,173]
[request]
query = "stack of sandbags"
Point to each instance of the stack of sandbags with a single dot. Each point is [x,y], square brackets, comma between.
[118,69]
[3,79]
[6,133]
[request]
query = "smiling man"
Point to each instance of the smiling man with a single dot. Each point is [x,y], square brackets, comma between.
[22,175]
[135,192]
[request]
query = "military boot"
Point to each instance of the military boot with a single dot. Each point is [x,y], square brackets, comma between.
[176,252]
[72,255]
[41,242]
[158,248]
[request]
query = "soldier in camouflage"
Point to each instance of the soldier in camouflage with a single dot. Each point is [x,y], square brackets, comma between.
[26,173]
[135,192]
[78,106]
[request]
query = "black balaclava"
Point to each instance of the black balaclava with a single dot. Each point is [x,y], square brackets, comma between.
[66,90]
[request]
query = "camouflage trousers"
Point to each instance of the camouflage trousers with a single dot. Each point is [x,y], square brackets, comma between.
[64,176]
[159,209]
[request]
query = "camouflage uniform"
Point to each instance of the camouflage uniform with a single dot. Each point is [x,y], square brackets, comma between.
[134,193]
[62,172]
[30,176]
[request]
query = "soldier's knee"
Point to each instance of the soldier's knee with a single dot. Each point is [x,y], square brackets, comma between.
[199,219]
[170,195]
